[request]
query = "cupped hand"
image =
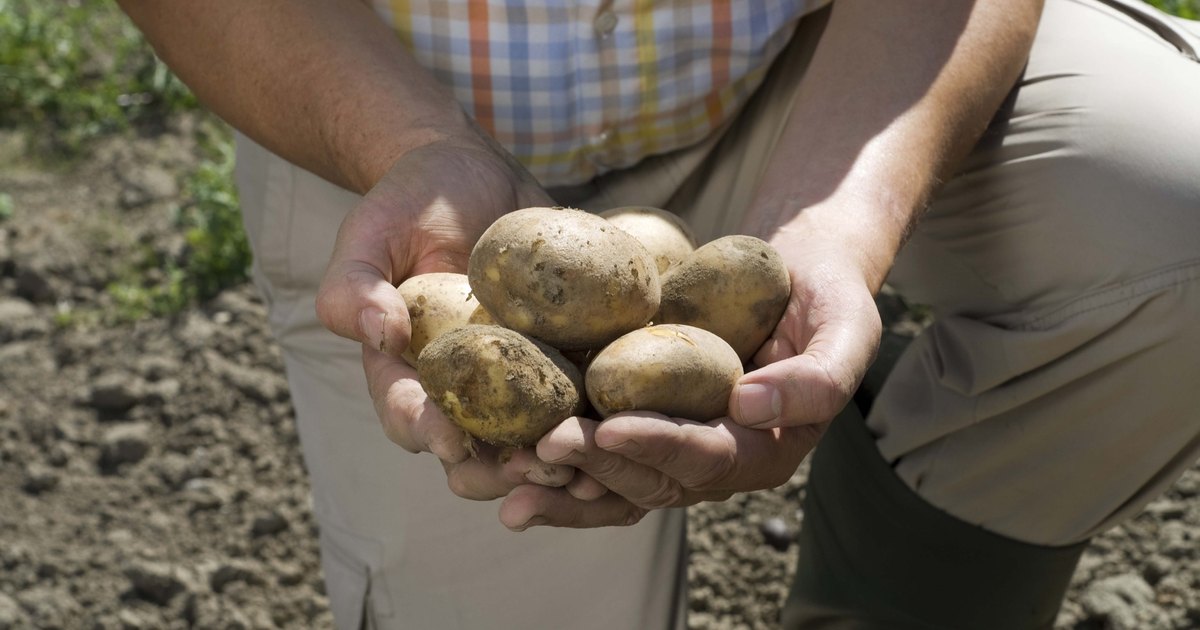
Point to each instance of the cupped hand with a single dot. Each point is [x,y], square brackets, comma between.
[424,216]
[811,367]
[821,348]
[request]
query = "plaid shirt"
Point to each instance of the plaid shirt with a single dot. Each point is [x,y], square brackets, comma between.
[578,88]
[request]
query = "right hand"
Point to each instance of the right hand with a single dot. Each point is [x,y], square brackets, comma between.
[424,215]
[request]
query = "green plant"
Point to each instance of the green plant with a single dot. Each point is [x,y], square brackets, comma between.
[6,207]
[73,71]
[1189,9]
[217,254]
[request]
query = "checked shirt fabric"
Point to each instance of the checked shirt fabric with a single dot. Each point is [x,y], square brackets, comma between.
[576,89]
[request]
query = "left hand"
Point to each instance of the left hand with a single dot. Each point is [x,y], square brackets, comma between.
[811,367]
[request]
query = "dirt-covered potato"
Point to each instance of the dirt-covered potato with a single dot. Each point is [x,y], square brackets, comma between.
[735,286]
[666,236]
[564,276]
[500,386]
[437,302]
[680,371]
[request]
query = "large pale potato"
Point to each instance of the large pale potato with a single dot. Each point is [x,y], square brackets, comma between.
[680,371]
[500,386]
[437,302]
[564,276]
[666,236]
[735,286]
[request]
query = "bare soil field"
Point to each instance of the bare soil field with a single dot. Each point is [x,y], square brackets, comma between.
[150,472]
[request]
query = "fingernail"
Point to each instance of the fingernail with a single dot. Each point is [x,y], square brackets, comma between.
[542,474]
[758,404]
[533,522]
[370,322]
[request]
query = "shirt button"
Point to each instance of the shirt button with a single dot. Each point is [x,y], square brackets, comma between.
[599,140]
[605,22]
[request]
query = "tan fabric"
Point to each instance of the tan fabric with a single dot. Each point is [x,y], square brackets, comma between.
[1055,395]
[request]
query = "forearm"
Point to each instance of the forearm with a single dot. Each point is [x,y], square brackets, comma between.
[895,94]
[323,83]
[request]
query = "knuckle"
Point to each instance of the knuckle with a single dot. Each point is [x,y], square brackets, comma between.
[457,484]
[633,516]
[834,387]
[325,306]
[666,493]
[710,476]
[400,437]
[396,413]
[714,473]
[605,467]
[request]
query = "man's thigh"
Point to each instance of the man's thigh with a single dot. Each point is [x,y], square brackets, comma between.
[1055,393]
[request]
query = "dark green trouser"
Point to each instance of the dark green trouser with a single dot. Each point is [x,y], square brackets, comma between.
[875,555]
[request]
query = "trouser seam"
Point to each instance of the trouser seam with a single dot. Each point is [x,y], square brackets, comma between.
[1155,281]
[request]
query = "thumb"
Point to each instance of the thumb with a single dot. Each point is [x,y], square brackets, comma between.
[799,389]
[357,301]
[792,392]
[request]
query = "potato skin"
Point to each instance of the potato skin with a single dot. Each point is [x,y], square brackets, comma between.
[500,386]
[677,370]
[666,236]
[564,276]
[437,302]
[735,286]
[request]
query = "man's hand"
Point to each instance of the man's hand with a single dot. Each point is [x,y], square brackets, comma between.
[811,366]
[424,216]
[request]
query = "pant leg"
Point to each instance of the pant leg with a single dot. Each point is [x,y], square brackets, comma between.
[1055,394]
[398,548]
[875,556]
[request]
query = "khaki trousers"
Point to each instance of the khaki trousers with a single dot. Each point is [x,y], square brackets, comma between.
[1053,397]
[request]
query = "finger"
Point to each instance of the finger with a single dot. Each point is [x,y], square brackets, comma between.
[573,442]
[710,461]
[585,487]
[493,473]
[357,298]
[813,386]
[531,506]
[405,412]
[694,455]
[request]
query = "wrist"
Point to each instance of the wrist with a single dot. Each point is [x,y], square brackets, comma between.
[863,236]
[365,155]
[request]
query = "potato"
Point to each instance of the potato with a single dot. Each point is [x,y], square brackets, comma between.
[676,370]
[735,286]
[500,386]
[666,236]
[564,276]
[481,316]
[437,302]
